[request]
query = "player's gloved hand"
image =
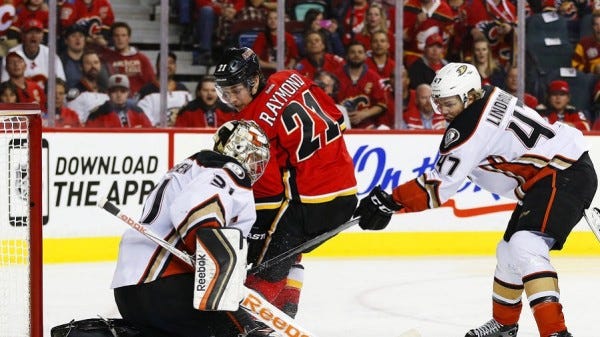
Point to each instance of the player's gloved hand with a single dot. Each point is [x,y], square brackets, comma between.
[376,209]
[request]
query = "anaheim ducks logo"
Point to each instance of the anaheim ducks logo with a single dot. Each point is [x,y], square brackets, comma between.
[451,136]
[461,70]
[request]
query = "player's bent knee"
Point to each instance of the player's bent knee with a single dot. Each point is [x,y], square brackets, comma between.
[530,252]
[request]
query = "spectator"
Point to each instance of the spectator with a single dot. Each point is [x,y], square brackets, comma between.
[98,15]
[9,36]
[376,21]
[586,57]
[8,92]
[494,20]
[317,58]
[208,14]
[31,10]
[126,59]
[74,37]
[118,111]
[177,94]
[28,91]
[172,84]
[423,117]
[89,92]
[353,20]
[460,39]
[206,110]
[331,85]
[384,65]
[511,86]
[314,21]
[63,116]
[558,108]
[361,90]
[423,69]
[265,47]
[35,54]
[490,71]
[422,19]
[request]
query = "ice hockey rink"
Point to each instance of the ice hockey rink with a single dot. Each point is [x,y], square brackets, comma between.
[436,296]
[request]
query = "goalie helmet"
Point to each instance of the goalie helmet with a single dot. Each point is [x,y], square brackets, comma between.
[455,79]
[247,143]
[238,65]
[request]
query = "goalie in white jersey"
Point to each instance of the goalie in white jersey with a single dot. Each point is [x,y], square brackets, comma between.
[507,148]
[153,289]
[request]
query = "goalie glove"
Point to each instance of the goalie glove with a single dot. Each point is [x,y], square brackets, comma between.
[376,209]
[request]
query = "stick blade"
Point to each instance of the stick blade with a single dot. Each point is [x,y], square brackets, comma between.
[592,217]
[410,333]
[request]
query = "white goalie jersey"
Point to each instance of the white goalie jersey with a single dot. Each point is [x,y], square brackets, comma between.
[206,190]
[498,143]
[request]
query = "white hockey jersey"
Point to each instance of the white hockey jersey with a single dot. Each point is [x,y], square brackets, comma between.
[498,143]
[36,69]
[206,190]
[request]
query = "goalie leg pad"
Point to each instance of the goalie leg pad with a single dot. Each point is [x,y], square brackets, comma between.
[220,269]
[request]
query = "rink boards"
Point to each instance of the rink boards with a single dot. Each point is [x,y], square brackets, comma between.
[81,167]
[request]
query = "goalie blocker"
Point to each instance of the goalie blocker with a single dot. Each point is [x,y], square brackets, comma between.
[220,269]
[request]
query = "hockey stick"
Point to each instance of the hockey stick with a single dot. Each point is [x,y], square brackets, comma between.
[302,247]
[592,217]
[253,302]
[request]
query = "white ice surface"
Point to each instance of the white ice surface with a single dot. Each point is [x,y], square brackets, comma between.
[439,297]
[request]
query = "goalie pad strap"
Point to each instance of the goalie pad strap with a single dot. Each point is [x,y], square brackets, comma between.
[220,269]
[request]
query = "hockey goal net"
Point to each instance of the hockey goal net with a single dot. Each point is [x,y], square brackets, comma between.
[20,222]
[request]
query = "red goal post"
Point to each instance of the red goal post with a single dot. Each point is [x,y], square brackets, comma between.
[20,221]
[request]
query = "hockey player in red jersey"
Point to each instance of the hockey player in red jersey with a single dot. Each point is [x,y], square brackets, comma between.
[154,290]
[506,148]
[309,187]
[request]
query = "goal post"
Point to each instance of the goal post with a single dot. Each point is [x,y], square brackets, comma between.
[20,221]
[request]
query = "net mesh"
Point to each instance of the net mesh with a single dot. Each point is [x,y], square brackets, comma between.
[14,232]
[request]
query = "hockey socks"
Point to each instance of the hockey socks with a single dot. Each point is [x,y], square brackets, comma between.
[269,290]
[289,297]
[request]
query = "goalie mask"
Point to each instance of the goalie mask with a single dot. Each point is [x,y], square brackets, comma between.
[247,143]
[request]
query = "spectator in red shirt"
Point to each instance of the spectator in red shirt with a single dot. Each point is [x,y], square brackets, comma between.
[586,56]
[85,11]
[118,111]
[381,61]
[265,47]
[126,59]
[376,21]
[361,89]
[558,108]
[206,110]
[32,10]
[423,117]
[511,86]
[423,18]
[64,117]
[317,58]
[354,20]
[28,91]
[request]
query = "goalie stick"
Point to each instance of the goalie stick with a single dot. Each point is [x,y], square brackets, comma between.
[253,302]
[302,247]
[592,217]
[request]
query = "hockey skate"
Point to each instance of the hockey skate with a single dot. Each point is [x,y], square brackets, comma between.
[494,329]
[561,334]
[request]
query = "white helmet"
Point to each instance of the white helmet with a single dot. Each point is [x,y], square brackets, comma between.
[247,143]
[455,79]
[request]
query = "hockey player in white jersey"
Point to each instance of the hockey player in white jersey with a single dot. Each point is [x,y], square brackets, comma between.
[497,142]
[153,289]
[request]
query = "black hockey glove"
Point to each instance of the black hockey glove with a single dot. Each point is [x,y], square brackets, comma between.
[376,209]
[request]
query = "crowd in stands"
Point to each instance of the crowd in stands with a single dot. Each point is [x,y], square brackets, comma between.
[346,46]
